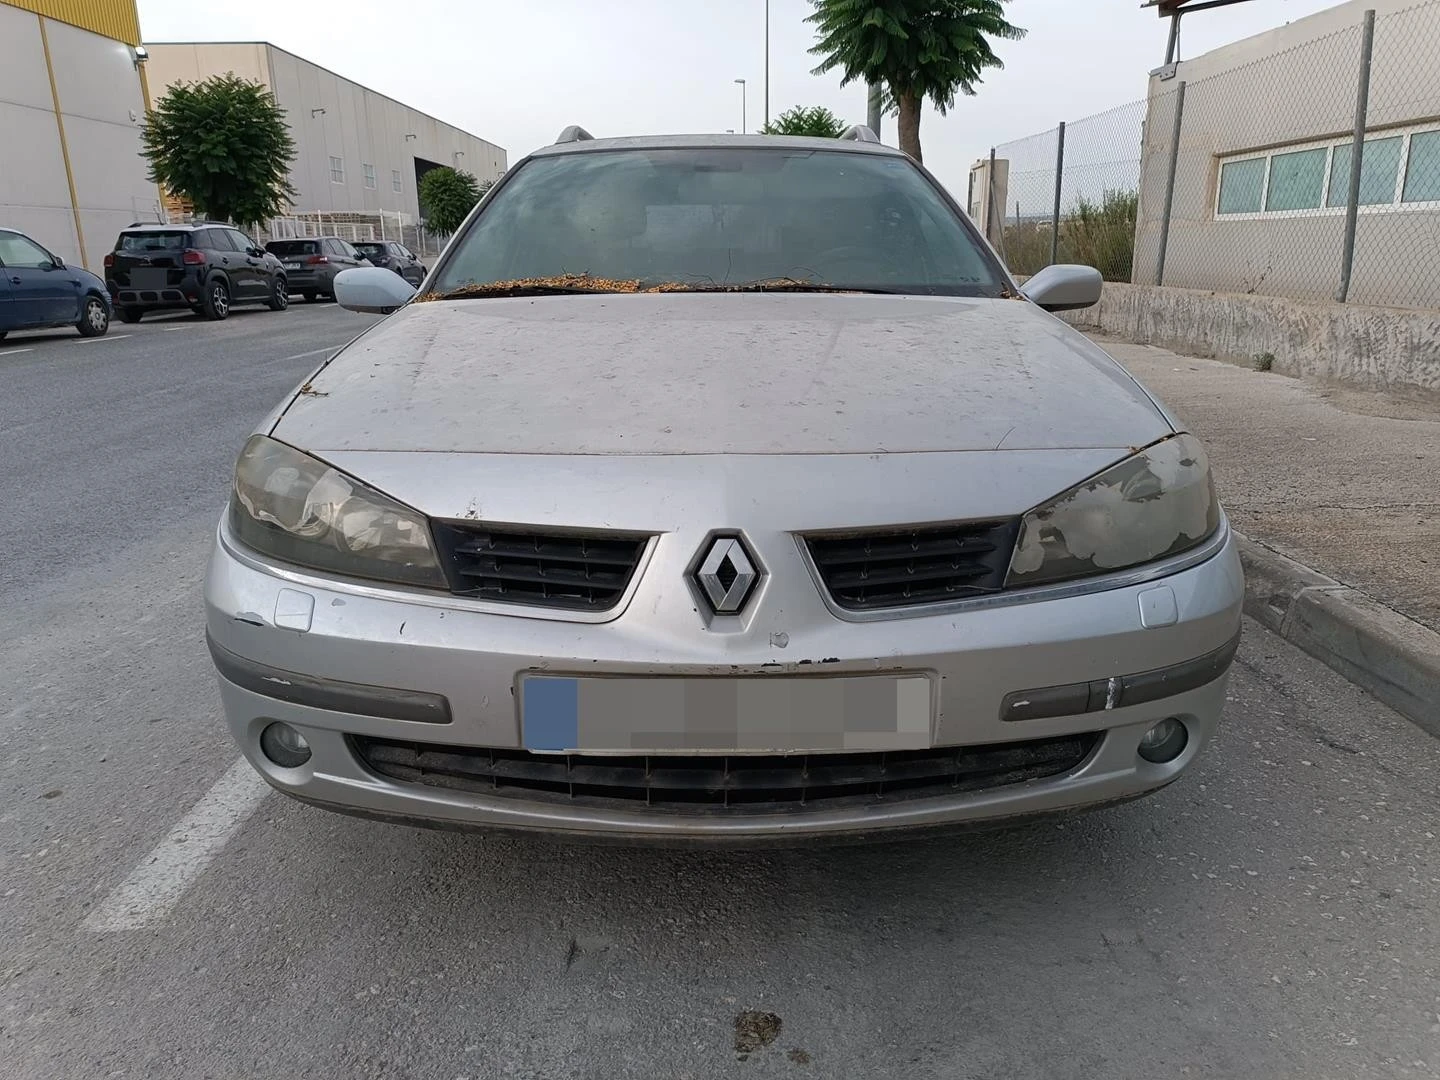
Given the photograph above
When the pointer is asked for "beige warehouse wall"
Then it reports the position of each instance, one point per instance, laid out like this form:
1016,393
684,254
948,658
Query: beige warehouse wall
101,108
1290,85
192,63
330,115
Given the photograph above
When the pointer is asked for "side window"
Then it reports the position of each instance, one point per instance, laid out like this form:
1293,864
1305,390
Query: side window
332,247
216,239
240,240
16,250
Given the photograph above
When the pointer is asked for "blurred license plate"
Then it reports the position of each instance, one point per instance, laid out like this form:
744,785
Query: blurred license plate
292,266
757,715
151,278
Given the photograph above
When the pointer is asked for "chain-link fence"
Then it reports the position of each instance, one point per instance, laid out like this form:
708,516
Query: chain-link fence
1245,178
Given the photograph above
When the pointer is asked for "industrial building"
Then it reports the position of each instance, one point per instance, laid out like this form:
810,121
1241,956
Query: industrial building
360,154
72,104
1262,166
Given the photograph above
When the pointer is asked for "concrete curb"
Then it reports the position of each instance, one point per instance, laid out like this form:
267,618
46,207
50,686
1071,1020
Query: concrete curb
1393,657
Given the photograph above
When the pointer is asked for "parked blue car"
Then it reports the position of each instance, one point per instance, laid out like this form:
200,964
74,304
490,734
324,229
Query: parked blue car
38,291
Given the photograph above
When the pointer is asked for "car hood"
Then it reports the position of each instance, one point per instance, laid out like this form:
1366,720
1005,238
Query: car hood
720,373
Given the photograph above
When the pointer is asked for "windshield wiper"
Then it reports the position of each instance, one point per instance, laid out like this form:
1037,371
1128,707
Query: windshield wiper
773,285
579,284
560,285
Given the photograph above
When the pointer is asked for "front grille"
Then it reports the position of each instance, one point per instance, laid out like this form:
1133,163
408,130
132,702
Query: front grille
736,783
907,567
575,571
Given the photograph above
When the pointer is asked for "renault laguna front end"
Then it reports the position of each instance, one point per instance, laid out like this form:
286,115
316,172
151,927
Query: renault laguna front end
721,488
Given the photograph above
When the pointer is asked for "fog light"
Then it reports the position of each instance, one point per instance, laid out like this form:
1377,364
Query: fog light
285,746
1164,742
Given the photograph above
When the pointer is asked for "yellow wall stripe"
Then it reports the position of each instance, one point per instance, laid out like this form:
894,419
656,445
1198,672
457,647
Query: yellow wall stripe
118,19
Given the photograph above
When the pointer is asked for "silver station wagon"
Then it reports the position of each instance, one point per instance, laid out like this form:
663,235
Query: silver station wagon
721,489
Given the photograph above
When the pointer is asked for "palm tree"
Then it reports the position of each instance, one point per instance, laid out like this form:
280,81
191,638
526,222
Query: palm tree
914,49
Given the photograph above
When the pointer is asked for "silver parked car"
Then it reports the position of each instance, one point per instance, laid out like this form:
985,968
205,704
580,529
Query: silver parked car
721,488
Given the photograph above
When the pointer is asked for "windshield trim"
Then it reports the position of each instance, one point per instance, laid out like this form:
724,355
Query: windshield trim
1006,286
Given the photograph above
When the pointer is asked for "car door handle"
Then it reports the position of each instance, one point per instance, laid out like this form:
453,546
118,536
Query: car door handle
16,280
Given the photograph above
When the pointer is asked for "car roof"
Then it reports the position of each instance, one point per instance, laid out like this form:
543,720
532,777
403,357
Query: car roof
713,142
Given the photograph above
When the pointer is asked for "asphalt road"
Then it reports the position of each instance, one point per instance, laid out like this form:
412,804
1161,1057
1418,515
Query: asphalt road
1270,916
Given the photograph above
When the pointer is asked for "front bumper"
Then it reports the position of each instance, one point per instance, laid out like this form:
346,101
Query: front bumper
351,639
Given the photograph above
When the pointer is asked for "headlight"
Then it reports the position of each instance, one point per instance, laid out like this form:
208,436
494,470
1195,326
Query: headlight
1158,503
300,510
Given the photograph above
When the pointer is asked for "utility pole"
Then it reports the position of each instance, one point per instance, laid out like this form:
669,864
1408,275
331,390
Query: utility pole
873,117
767,63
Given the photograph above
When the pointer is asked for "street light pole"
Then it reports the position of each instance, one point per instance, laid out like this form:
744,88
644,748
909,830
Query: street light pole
743,128
767,63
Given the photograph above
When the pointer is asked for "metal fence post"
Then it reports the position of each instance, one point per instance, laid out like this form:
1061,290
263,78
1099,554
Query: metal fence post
1357,154
993,213
1170,183
1055,214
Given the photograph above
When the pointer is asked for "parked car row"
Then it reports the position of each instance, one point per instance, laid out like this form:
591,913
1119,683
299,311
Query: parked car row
208,267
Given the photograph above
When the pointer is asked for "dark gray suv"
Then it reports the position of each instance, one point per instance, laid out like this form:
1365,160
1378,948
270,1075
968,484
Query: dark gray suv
311,264
394,256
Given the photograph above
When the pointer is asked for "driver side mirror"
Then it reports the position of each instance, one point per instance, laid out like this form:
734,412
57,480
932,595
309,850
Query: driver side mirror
57,262
1064,287
371,289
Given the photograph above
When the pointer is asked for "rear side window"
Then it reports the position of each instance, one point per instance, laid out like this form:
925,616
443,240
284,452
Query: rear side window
215,240
293,247
153,240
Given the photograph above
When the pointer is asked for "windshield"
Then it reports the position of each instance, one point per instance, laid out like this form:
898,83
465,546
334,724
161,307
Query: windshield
152,240
722,217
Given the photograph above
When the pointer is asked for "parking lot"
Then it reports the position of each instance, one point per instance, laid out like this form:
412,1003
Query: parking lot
163,916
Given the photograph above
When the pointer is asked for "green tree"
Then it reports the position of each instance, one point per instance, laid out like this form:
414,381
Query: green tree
816,121
446,196
223,144
914,49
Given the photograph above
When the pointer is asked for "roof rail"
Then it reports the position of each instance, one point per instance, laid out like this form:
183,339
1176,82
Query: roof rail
859,133
573,133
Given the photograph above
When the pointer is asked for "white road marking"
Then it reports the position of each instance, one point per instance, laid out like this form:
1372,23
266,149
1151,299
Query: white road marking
312,352
107,337
155,886
175,329
15,352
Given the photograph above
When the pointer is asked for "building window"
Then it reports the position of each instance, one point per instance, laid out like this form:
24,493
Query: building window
1242,184
337,171
395,182
1400,167
1379,167
1297,180
369,175
1422,178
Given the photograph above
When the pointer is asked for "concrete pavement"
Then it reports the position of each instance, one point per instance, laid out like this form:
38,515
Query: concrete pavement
1271,916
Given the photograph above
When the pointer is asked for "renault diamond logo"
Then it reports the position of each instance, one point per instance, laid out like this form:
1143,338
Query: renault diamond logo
727,576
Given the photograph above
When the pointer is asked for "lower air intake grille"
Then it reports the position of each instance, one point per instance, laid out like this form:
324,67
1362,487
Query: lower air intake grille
894,568
575,571
734,784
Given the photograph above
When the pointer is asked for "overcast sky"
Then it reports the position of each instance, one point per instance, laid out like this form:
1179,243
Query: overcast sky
517,71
